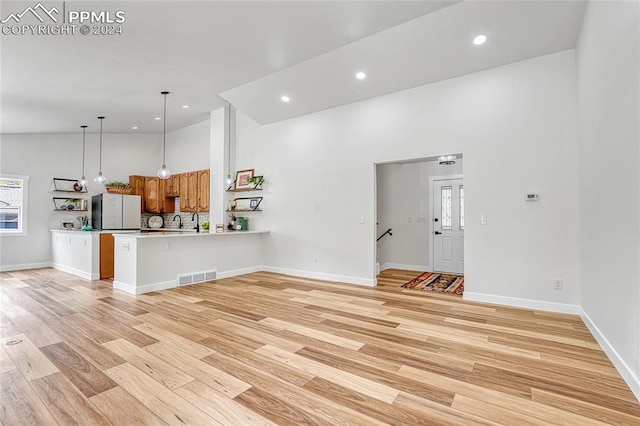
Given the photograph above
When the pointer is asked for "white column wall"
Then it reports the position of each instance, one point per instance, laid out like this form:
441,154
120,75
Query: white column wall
217,149
609,163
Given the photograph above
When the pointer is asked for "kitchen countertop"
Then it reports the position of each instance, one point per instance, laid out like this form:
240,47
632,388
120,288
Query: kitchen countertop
178,233
93,231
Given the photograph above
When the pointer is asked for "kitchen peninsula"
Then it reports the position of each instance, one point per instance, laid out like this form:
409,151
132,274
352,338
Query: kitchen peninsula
146,262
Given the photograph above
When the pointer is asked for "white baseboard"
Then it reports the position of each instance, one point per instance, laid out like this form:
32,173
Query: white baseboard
241,271
540,305
132,289
321,276
421,268
76,272
147,288
23,266
623,368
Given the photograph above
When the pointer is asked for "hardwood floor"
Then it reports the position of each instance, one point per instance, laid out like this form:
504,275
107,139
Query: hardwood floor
272,349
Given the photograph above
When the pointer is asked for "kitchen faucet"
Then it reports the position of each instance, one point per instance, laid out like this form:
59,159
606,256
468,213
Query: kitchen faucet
197,217
179,217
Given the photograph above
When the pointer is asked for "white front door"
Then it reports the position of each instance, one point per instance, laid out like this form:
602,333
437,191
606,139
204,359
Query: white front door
448,226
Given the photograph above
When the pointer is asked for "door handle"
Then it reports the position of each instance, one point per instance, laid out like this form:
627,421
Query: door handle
437,232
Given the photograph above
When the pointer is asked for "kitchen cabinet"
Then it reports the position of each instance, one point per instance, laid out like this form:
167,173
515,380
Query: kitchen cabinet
76,252
203,190
172,186
156,200
188,191
194,191
106,256
137,188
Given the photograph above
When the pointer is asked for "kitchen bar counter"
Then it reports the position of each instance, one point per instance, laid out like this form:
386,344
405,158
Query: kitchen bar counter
171,233
152,261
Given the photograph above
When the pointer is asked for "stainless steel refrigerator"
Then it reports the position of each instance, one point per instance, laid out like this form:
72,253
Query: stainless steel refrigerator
115,211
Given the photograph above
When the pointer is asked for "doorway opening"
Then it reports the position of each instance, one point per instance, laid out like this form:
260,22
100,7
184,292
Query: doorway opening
422,202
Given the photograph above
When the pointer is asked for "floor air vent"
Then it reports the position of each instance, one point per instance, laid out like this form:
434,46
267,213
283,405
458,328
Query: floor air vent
196,277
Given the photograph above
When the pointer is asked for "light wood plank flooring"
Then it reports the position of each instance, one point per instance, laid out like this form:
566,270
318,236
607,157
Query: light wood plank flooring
272,349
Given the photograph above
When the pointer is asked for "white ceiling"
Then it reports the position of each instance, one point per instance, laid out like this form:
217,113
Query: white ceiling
253,52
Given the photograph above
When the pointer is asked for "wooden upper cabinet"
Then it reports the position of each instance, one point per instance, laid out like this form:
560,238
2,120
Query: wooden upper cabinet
159,195
172,186
203,190
167,204
152,194
194,191
183,178
137,184
156,200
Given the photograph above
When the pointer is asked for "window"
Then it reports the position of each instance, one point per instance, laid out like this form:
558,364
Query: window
461,207
13,205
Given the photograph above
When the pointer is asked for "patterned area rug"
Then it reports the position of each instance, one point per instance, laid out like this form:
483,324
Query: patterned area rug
437,282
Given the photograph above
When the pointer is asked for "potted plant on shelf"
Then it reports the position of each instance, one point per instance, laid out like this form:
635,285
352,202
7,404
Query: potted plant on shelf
117,187
256,182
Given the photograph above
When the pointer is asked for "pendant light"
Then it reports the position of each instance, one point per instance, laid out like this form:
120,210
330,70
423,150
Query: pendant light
163,172
83,181
100,177
229,180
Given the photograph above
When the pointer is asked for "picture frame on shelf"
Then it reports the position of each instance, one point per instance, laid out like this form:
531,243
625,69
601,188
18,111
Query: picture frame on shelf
247,204
242,178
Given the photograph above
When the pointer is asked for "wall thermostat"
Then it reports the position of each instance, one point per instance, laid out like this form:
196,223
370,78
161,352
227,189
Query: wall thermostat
532,197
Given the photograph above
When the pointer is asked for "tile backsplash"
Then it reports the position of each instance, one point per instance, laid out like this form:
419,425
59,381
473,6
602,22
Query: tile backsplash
188,220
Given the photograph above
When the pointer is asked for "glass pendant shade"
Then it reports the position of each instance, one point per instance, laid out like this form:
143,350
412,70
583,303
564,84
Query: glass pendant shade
229,180
83,182
163,172
100,178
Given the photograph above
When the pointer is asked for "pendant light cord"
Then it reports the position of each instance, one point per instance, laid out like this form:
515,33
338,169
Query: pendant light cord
101,118
164,131
229,142
84,133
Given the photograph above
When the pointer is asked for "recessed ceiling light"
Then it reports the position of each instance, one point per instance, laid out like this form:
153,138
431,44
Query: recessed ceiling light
158,118
360,75
285,98
480,39
186,106
134,127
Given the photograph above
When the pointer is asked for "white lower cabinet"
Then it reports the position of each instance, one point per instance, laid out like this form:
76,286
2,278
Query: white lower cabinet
77,252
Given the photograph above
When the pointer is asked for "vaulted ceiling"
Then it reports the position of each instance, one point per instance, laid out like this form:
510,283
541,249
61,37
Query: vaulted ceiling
252,53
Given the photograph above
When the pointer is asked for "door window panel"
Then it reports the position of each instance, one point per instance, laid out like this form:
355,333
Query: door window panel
445,199
461,207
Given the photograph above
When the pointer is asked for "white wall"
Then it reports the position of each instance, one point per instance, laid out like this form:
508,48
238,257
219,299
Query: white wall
43,157
515,126
188,148
403,193
609,164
